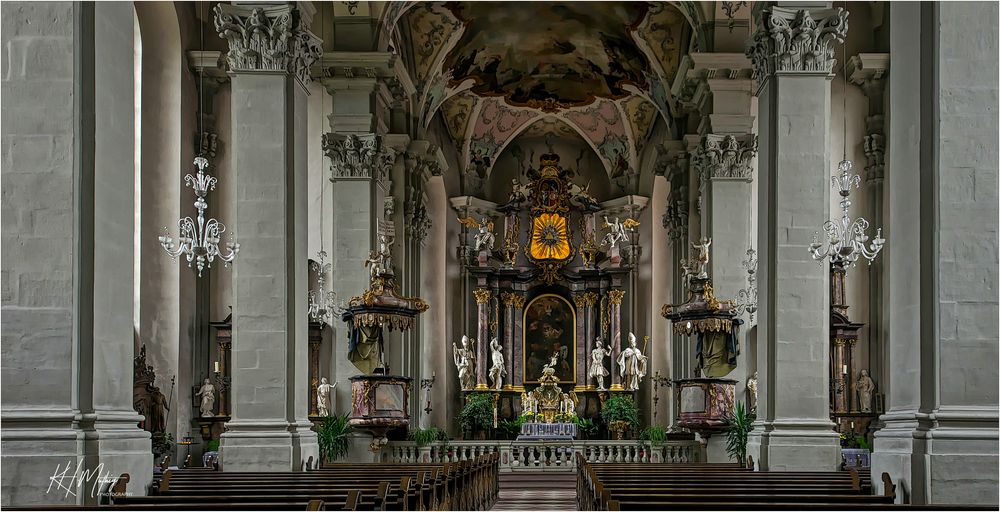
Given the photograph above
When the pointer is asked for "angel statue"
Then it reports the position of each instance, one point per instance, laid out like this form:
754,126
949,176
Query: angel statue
374,264
465,361
485,238
597,370
498,371
518,192
617,231
632,365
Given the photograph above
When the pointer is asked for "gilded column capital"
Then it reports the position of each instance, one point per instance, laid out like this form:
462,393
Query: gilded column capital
590,298
795,40
483,295
354,157
511,299
267,38
615,297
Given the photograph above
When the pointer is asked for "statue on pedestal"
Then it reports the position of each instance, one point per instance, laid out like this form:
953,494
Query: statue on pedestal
498,371
701,269
865,386
597,370
207,394
752,392
323,391
465,362
615,234
632,365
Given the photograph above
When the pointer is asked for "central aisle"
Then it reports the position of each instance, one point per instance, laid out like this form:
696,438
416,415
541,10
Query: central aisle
537,491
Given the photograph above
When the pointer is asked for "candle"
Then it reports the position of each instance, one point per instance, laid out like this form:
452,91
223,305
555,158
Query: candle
845,369
217,367
434,375
852,425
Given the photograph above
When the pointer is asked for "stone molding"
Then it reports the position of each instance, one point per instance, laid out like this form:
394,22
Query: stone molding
796,40
675,220
267,39
725,157
358,157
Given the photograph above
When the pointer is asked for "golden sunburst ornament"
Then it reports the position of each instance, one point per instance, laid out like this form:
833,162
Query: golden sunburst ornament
549,237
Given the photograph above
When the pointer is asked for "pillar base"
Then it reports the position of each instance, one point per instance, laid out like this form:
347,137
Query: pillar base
808,445
38,445
949,461
267,446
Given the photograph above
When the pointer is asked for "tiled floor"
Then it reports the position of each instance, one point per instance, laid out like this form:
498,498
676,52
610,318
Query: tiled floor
537,491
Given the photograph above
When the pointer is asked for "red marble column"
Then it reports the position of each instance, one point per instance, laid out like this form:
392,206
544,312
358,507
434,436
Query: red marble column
483,296
615,328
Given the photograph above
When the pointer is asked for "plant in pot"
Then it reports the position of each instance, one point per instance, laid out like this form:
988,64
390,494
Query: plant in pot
334,437
477,414
654,435
510,429
426,436
586,428
620,414
737,427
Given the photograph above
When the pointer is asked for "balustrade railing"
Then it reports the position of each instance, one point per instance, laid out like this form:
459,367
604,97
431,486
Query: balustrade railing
544,455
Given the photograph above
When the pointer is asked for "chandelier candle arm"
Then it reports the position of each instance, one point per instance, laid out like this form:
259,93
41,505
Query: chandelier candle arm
845,242
199,241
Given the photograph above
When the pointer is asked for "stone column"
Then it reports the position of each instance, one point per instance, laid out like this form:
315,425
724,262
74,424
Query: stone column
939,443
868,71
508,298
582,354
315,341
483,296
68,210
437,358
518,352
269,429
794,65
615,325
225,380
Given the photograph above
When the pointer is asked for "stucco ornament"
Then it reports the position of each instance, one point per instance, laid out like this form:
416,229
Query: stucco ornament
796,40
267,39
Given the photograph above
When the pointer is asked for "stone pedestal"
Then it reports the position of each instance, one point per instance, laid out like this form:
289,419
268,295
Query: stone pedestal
793,430
269,430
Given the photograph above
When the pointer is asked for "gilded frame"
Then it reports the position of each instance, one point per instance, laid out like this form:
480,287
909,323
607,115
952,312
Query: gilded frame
570,336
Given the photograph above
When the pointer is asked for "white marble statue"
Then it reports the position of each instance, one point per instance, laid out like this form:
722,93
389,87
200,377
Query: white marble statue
597,371
323,403
752,391
485,238
865,387
465,362
567,406
527,403
498,371
552,363
701,271
632,365
616,233
207,394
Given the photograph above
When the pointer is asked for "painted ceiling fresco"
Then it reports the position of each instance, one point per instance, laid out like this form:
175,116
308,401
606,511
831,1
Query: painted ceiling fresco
498,70
568,53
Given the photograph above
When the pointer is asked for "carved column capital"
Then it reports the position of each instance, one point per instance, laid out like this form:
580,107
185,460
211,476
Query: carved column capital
267,39
358,156
867,71
795,40
512,300
615,297
725,157
483,295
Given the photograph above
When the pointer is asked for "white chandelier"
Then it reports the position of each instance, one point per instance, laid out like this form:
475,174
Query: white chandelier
746,299
199,241
322,303
846,241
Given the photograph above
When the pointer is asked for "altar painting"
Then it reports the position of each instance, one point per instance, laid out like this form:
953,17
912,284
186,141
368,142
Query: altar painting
549,330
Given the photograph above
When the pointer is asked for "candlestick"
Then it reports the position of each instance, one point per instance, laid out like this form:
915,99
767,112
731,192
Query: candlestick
217,367
845,369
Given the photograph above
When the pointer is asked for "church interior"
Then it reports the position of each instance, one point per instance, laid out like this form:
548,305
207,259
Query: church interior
388,255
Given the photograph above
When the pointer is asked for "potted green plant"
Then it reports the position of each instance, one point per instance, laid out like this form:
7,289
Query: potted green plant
477,414
510,429
620,414
585,427
737,427
654,434
334,437
426,436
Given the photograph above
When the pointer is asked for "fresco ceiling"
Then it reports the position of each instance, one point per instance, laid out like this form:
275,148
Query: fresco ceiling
495,70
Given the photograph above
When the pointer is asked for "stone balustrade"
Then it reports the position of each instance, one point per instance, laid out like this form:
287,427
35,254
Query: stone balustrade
544,455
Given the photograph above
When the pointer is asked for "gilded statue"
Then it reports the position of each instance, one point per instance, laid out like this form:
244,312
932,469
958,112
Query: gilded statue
465,361
632,365
597,371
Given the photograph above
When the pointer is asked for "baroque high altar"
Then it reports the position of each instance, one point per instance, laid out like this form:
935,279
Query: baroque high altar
546,287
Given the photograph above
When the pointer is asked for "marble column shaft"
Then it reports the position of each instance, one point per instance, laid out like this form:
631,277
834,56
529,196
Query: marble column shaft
615,325
483,297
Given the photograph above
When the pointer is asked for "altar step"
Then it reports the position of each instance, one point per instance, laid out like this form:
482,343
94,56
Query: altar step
537,491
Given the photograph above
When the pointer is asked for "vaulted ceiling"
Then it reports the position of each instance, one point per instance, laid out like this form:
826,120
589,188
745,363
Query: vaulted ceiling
497,70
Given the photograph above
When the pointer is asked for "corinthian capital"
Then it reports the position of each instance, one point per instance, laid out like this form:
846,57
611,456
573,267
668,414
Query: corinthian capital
271,38
358,156
726,157
796,40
